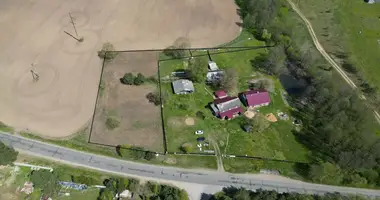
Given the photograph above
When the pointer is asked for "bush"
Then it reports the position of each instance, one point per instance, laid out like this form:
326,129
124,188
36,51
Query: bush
7,154
154,98
200,115
183,106
149,156
139,79
112,123
186,148
87,180
45,180
107,51
128,79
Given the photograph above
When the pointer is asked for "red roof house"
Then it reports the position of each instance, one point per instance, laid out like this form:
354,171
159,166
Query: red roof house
220,94
227,107
256,98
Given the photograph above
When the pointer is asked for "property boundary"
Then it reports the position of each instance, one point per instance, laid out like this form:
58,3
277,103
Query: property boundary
165,152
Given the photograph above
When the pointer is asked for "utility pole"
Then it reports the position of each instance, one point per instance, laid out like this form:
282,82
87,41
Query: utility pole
72,21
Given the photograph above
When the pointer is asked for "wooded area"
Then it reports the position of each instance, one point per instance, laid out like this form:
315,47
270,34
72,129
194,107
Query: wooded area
243,194
337,126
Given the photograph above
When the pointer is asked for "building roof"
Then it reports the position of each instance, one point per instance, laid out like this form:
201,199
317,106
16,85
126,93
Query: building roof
220,94
230,113
227,103
214,75
257,97
212,66
182,85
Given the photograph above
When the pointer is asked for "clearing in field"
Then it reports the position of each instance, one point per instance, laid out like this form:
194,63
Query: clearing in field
63,98
123,114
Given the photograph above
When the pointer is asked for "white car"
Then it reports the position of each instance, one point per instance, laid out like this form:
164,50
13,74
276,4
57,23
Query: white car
199,132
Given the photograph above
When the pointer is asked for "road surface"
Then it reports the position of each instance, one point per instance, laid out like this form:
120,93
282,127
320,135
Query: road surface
327,56
210,178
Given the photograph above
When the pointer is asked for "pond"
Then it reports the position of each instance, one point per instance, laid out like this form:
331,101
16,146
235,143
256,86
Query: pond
292,85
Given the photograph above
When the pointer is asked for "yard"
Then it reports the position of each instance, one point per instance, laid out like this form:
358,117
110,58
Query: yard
136,121
277,141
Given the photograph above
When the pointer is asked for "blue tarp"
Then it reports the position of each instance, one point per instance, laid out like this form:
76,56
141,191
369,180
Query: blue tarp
72,185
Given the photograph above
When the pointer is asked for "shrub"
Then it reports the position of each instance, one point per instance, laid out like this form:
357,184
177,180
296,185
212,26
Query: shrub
107,51
128,79
200,115
152,79
7,154
186,148
87,180
112,123
154,98
139,79
183,106
149,156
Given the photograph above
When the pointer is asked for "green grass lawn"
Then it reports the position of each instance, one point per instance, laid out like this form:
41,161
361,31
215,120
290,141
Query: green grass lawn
352,27
276,142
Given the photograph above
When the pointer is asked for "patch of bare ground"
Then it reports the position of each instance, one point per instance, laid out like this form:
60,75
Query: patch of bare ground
140,120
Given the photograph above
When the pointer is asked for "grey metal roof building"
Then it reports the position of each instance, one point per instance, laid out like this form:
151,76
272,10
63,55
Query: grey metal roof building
183,86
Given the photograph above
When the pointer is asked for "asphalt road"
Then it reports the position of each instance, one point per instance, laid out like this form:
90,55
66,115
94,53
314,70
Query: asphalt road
211,178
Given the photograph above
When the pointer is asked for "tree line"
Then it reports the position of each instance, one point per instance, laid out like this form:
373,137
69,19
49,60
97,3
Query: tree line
337,126
232,193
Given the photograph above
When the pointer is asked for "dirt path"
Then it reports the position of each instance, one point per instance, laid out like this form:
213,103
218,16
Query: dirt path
218,154
327,56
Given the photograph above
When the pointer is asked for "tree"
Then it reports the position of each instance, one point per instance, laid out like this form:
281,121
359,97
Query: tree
153,187
272,62
258,123
154,97
197,69
134,184
107,52
326,173
128,79
229,80
139,79
149,155
45,180
7,154
178,49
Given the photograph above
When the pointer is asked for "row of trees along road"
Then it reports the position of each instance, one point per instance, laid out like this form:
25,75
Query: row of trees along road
243,194
337,126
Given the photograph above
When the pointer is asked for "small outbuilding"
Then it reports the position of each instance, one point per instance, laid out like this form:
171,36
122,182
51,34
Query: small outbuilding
220,94
212,66
183,86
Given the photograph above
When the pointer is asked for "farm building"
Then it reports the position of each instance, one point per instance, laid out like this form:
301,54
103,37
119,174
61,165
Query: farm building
227,107
256,98
212,66
220,94
213,76
214,73
183,86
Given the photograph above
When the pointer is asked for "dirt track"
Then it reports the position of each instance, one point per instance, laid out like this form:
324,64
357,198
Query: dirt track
63,99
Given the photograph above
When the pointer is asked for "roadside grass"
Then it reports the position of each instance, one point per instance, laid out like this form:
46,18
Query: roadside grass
243,165
6,128
79,142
